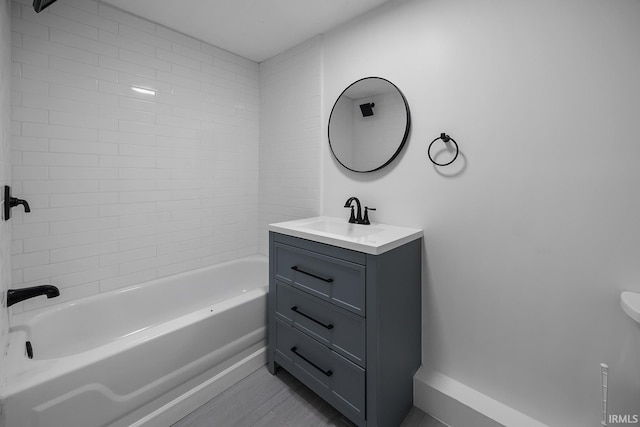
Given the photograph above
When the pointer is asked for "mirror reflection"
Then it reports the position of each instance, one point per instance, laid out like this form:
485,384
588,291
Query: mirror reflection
369,124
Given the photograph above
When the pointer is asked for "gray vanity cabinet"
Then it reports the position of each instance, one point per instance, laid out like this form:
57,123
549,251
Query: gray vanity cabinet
347,324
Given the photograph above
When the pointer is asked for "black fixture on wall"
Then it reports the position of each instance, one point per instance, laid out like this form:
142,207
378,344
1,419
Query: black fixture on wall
367,109
15,296
10,202
39,5
446,139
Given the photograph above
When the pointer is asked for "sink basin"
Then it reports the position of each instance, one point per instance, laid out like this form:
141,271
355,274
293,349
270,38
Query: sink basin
342,228
630,302
372,239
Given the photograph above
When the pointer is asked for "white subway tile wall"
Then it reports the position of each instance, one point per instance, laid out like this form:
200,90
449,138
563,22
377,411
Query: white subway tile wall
136,147
290,136
5,178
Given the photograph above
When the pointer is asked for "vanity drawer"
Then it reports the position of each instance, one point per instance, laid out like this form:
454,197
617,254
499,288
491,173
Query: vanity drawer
334,378
332,279
341,330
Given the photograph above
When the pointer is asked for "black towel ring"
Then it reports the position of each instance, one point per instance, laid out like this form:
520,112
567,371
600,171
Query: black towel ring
445,138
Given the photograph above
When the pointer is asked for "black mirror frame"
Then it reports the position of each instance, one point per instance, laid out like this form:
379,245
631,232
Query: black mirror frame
404,137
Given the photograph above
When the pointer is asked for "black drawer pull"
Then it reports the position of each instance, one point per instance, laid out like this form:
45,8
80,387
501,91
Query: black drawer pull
324,279
295,351
295,308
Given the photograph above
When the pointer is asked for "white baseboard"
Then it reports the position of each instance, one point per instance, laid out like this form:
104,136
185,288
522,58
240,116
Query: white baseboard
457,405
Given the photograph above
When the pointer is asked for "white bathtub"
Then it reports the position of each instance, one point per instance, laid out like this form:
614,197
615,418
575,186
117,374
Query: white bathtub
145,355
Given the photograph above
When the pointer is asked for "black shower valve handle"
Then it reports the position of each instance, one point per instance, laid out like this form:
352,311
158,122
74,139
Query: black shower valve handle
11,202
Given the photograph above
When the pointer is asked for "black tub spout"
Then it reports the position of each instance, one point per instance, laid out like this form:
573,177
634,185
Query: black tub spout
16,295
15,202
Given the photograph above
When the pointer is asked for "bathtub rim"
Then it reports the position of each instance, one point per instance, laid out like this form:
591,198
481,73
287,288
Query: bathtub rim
22,319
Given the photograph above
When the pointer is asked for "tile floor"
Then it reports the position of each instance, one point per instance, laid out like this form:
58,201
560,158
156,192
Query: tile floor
265,400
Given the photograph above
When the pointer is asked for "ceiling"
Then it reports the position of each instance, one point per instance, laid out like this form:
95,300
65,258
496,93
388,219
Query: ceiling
254,29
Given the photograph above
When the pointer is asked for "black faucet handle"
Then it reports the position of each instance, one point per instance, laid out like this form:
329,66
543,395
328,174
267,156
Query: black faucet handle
365,221
352,218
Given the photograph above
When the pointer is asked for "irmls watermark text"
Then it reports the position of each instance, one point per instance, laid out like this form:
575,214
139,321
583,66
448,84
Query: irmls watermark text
624,419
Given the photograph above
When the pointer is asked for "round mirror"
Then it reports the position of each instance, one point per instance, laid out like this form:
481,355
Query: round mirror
369,124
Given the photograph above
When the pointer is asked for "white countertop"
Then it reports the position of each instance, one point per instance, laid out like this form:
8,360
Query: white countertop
372,239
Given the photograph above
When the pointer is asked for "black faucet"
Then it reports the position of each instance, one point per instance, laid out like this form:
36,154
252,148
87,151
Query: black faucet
357,218
17,295
354,219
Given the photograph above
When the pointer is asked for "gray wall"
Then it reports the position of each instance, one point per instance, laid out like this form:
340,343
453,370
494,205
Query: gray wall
290,135
528,248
